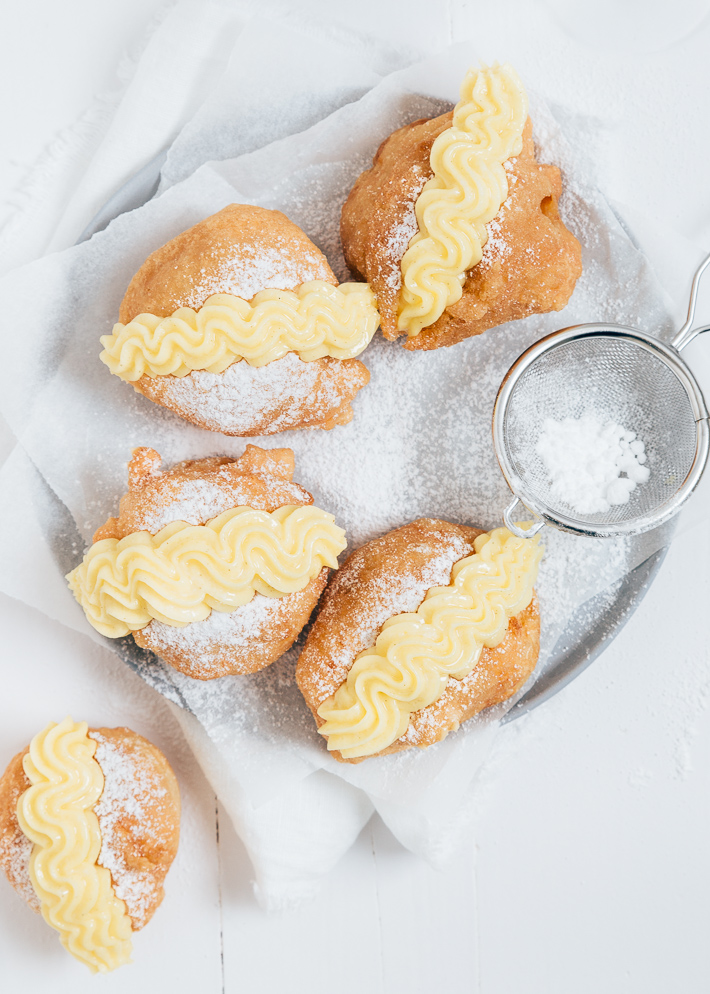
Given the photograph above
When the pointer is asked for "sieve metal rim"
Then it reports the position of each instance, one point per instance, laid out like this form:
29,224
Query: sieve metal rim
653,345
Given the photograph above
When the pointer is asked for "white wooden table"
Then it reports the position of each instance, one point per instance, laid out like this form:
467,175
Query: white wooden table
589,869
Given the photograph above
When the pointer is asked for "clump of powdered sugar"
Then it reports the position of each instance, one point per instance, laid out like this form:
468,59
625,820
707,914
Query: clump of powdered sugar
130,790
585,459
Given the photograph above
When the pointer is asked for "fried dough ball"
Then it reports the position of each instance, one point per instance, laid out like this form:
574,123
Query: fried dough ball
530,262
242,250
139,819
256,634
391,575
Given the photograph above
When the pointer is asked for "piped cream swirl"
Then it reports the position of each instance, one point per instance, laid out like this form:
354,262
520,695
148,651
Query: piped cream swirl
185,571
56,814
415,654
316,320
466,191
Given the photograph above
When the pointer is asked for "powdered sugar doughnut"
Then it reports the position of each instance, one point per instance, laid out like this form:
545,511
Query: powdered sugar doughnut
139,819
530,262
391,575
251,636
241,251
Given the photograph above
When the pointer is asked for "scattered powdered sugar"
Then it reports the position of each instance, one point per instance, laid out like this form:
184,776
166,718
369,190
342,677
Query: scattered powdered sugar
386,595
244,276
199,500
221,633
242,398
586,457
402,233
15,852
130,789
497,244
574,570
419,444
399,238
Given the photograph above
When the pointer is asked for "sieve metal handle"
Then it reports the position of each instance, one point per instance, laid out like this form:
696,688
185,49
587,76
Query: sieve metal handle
687,333
515,528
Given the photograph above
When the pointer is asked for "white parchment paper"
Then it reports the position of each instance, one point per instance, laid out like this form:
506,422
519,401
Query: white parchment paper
419,445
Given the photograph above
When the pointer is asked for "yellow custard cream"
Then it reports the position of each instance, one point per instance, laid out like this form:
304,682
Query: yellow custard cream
315,320
415,654
467,190
56,814
185,571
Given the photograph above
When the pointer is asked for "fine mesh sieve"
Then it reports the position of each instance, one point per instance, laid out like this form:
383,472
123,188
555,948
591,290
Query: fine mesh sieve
622,375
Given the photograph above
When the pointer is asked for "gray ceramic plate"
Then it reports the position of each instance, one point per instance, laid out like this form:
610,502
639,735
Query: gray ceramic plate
593,626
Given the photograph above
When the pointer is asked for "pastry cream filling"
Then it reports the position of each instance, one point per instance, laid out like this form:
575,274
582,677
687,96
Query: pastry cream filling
315,320
466,191
56,813
415,654
185,571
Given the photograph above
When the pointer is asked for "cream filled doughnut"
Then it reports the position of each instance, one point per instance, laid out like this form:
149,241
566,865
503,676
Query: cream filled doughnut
239,326
215,564
420,630
89,826
456,225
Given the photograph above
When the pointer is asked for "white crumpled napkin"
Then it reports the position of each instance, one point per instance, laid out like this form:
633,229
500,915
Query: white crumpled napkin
419,444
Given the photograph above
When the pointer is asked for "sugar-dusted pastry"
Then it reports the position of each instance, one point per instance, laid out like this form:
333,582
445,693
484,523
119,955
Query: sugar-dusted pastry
239,326
89,826
456,225
418,631
215,565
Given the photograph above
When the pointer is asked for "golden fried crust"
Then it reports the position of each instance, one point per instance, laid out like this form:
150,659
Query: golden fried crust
140,828
243,641
501,672
258,633
242,250
530,263
220,255
244,400
260,478
389,576
15,847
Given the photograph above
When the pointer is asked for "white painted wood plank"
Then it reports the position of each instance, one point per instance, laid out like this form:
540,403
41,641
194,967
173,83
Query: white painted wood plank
49,672
594,865
380,925
428,920
331,944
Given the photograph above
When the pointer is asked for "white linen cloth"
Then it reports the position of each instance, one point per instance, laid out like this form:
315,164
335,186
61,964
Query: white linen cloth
295,808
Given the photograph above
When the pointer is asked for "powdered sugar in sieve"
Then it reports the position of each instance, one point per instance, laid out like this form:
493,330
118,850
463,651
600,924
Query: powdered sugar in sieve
632,379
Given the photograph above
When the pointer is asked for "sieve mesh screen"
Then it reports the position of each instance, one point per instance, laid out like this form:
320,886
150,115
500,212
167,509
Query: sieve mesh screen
613,379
